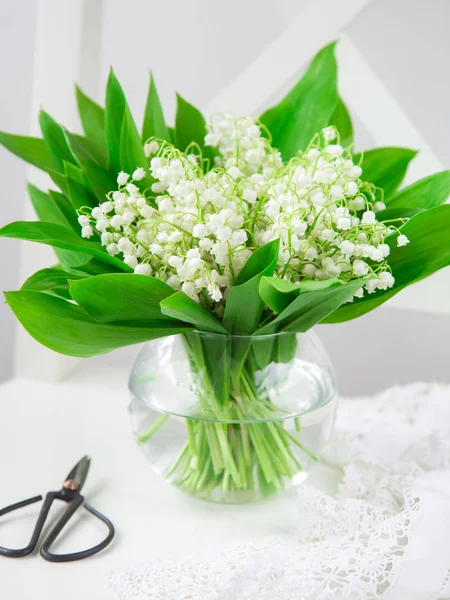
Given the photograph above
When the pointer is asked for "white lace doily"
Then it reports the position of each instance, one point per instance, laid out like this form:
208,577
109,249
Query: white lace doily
386,534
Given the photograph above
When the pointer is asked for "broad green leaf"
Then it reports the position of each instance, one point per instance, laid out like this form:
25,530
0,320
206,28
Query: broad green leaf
286,346
132,151
154,124
210,359
97,152
385,167
342,121
120,297
66,209
76,174
59,180
32,150
262,349
55,141
427,252
244,305
45,208
179,306
98,178
78,188
397,212
95,267
92,118
310,308
278,348
115,105
429,247
70,260
59,237
53,281
68,329
190,125
307,108
51,209
279,293
73,172
426,193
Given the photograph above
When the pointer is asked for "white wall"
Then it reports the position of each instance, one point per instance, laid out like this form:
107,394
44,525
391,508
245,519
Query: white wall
199,47
17,28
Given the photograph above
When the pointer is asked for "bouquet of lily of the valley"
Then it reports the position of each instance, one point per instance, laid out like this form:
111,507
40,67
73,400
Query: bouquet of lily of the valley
234,226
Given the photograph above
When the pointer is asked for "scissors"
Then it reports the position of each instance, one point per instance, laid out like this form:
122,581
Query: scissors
69,493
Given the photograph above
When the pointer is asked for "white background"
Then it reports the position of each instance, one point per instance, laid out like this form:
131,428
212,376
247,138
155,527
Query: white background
201,47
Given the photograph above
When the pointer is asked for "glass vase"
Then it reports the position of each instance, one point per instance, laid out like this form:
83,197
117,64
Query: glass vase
233,418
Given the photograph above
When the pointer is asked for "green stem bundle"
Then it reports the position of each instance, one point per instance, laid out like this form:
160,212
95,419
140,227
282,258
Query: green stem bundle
240,443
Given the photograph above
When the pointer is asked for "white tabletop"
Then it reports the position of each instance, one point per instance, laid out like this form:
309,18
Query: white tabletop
44,430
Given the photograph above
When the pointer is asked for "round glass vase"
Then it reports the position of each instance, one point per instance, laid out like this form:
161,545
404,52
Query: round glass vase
233,418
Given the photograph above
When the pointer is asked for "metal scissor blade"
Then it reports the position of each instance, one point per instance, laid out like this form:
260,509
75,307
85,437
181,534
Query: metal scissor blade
79,473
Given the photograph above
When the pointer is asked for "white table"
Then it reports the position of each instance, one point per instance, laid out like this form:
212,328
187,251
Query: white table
44,430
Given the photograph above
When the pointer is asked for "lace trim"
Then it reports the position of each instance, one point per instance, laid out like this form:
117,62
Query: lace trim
357,546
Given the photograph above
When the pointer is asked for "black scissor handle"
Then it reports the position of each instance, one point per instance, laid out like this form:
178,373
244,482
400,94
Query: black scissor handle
50,539
20,552
73,506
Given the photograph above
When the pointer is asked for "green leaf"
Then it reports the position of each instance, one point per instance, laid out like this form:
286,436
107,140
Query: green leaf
179,306
58,179
427,252
44,206
96,151
53,280
55,141
210,359
311,307
385,167
78,188
398,212
132,151
51,208
279,293
76,174
98,178
68,329
426,193
286,347
124,298
154,124
307,108
342,121
63,204
70,260
216,352
92,118
115,106
244,305
30,149
190,125
95,267
59,237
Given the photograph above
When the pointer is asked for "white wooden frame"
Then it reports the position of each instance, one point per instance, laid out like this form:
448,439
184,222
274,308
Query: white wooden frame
67,50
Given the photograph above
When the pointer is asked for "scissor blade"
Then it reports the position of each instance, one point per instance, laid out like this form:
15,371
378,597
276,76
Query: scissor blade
80,471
